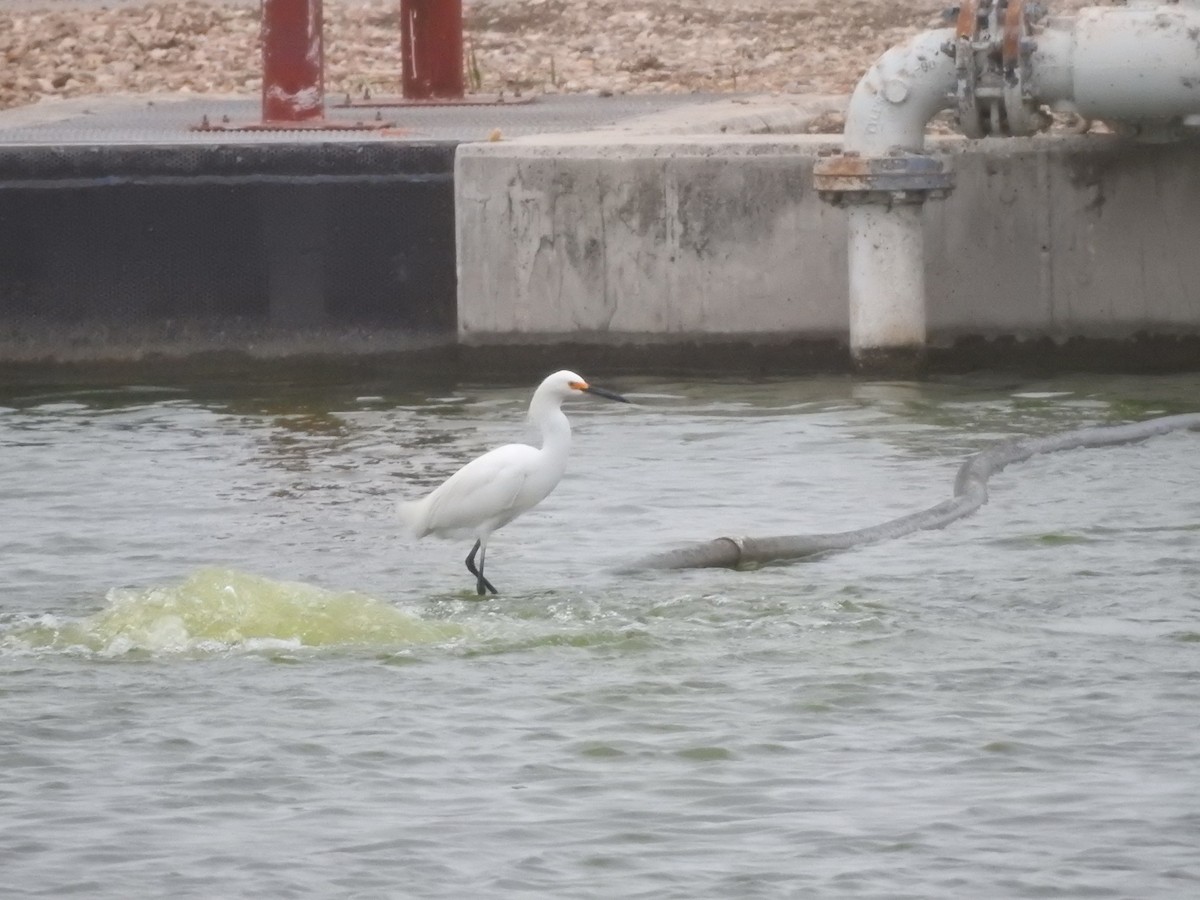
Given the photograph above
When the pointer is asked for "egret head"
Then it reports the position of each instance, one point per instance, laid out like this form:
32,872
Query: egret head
567,383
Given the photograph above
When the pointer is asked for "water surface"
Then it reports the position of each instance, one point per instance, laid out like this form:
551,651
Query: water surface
224,673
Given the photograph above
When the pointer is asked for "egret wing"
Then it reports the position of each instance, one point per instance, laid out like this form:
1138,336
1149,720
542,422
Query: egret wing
483,494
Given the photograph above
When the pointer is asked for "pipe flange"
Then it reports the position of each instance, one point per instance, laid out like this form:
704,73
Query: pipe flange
899,178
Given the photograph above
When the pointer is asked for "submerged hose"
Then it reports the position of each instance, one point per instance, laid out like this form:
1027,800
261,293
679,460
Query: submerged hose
970,493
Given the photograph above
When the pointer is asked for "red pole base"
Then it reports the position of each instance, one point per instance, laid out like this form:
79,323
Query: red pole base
293,61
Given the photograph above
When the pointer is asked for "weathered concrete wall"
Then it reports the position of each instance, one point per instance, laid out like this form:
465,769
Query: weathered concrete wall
667,236
609,237
1091,236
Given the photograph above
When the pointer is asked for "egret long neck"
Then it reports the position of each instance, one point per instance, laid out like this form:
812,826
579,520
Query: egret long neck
547,414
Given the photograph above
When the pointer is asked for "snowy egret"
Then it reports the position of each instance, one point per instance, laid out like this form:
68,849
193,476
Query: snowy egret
492,490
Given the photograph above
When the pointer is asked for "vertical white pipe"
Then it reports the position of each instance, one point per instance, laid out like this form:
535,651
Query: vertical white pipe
887,282
888,112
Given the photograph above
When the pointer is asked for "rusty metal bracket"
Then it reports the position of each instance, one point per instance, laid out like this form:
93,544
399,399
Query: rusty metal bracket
900,178
993,47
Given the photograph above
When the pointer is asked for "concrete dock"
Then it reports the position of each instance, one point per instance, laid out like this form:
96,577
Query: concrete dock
650,232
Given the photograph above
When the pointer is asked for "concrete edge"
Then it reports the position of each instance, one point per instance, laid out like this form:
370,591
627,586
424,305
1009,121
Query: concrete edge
49,111
748,120
401,356
749,114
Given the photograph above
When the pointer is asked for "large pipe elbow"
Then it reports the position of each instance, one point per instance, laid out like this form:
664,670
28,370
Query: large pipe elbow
899,94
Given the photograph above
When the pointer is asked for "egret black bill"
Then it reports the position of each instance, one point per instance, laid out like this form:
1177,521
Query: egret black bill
599,392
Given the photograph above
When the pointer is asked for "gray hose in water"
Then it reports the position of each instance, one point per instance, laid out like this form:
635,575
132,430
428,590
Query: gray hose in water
970,493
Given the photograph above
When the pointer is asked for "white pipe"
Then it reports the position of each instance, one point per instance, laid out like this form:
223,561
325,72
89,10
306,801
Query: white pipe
887,283
888,112
1132,64
895,100
1137,63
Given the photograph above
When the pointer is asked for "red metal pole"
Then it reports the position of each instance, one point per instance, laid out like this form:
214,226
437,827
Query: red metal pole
293,61
431,49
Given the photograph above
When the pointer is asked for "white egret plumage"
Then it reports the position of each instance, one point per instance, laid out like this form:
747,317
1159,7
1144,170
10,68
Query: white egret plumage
492,490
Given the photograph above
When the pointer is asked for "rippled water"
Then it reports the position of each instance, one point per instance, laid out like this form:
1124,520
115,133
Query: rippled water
222,672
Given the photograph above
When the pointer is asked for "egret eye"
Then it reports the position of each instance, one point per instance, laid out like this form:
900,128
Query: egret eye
577,385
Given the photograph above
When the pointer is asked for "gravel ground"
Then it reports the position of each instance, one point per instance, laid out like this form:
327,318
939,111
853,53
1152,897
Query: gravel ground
65,48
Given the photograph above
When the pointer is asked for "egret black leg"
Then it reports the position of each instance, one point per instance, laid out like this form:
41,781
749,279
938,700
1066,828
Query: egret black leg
482,585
